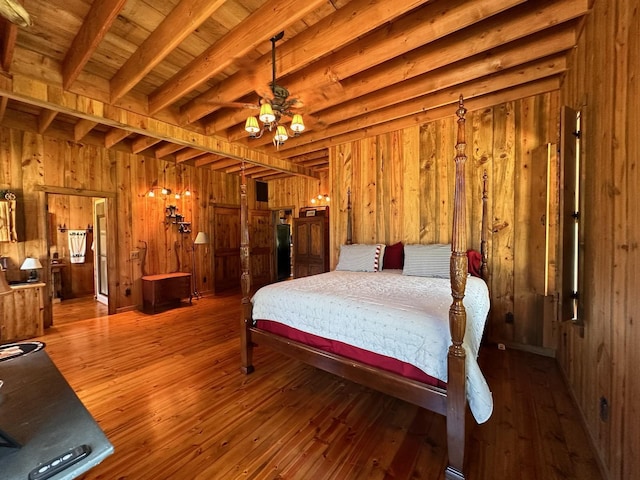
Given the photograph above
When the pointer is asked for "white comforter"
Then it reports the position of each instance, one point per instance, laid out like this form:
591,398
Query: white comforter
403,317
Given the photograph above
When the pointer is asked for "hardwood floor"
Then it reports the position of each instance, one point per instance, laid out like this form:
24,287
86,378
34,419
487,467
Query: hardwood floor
76,309
167,391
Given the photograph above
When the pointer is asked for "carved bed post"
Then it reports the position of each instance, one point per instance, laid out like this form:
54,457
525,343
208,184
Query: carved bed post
349,227
456,383
484,269
246,347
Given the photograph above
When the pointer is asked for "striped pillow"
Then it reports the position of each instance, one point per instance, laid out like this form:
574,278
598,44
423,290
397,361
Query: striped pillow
360,258
427,260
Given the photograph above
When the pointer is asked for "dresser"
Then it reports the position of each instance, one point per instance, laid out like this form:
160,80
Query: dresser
166,290
22,312
311,242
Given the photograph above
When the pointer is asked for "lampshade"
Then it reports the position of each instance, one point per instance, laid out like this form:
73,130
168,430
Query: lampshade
297,125
251,126
266,113
31,263
281,134
201,238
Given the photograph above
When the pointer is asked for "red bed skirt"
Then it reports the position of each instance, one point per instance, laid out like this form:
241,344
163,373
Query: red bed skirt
349,351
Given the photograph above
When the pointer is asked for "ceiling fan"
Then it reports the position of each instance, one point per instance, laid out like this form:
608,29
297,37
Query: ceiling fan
15,13
273,108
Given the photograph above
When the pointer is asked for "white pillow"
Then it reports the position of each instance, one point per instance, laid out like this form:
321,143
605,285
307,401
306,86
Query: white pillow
427,260
360,258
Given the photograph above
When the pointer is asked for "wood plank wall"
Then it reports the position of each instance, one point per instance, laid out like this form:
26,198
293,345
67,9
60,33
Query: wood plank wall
600,362
402,190
29,161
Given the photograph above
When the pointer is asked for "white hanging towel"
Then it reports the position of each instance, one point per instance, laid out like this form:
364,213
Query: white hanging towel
77,245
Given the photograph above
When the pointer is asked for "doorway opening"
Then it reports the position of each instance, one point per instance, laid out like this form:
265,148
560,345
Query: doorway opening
77,244
283,220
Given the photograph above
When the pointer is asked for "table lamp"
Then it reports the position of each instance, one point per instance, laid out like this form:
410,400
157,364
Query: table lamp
33,265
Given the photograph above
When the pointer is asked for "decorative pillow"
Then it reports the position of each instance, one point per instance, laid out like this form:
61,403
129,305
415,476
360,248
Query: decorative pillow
427,260
393,257
360,258
475,262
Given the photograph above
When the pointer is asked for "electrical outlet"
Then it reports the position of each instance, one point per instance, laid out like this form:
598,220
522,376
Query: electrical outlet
134,255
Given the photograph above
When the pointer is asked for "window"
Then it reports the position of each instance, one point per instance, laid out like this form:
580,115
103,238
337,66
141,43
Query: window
570,150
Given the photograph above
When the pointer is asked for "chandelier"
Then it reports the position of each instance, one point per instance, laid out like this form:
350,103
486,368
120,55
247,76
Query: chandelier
273,109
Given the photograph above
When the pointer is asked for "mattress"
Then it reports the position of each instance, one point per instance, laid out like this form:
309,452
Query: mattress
399,316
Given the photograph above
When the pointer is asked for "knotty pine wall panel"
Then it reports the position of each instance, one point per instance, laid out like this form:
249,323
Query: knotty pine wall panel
30,162
402,187
600,359
297,192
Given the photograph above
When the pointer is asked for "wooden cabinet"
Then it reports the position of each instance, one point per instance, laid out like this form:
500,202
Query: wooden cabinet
165,290
311,243
22,312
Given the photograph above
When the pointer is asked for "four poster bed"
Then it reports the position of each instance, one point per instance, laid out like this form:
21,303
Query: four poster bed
375,306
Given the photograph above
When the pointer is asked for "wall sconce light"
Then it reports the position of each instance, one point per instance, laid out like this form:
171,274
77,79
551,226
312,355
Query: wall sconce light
167,191
320,198
163,191
33,265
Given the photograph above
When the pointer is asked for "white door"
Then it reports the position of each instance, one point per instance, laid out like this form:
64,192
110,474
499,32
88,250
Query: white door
100,250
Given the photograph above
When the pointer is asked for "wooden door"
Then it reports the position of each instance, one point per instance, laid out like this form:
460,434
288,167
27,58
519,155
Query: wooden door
226,248
261,240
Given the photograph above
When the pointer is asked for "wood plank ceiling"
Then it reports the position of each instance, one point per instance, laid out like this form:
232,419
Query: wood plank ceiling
175,79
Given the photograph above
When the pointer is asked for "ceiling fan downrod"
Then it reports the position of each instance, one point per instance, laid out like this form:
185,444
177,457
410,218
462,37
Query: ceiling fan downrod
274,39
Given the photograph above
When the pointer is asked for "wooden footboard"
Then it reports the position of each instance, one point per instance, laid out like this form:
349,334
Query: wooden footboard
453,401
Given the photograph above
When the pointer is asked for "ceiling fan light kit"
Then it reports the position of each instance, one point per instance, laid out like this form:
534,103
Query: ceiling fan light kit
273,109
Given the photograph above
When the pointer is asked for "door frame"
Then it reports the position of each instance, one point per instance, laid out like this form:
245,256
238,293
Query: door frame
112,228
100,297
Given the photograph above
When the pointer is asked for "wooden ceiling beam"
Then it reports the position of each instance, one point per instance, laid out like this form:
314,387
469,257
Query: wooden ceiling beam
207,159
142,143
431,115
41,94
544,52
44,120
188,154
265,22
82,128
308,157
186,17
297,54
222,164
530,73
93,29
168,149
115,135
322,81
9,36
